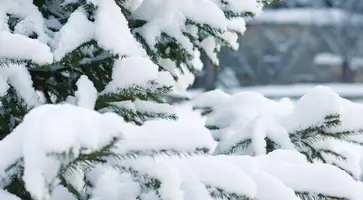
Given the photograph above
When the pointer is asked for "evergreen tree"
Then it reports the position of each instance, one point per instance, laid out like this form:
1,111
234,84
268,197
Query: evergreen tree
80,81
68,39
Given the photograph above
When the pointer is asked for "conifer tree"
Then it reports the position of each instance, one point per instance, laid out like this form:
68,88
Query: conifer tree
80,81
68,39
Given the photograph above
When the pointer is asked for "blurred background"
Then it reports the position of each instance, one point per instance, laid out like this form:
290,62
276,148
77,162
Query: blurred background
292,46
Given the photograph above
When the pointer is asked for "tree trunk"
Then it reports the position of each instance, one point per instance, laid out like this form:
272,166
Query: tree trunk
347,72
210,76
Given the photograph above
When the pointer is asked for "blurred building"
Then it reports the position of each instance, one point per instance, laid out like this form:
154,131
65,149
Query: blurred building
299,41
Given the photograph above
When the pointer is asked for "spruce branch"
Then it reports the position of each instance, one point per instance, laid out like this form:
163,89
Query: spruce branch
334,154
84,162
343,169
151,91
217,193
6,62
133,154
212,127
12,21
146,182
137,117
310,196
15,184
238,148
205,111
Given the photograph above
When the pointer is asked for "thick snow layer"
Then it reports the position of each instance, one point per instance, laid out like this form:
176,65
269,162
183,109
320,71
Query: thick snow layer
126,73
16,46
86,93
307,112
347,90
74,33
152,107
112,31
169,16
55,129
248,118
63,128
18,76
111,184
166,135
7,196
208,45
211,98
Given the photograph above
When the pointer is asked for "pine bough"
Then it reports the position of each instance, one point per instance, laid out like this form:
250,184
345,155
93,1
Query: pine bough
322,126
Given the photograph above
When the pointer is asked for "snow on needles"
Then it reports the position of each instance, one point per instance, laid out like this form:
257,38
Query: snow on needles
241,122
74,33
111,31
86,93
51,129
16,46
133,71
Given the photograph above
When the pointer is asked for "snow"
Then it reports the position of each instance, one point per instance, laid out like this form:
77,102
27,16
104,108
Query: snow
169,16
258,135
73,34
61,193
211,98
63,128
78,128
307,112
226,178
307,16
3,21
333,60
208,44
16,46
152,107
182,155
237,24
7,196
86,93
237,6
327,59
273,188
165,79
316,177
346,90
110,184
19,77
32,23
112,31
245,119
126,73
151,138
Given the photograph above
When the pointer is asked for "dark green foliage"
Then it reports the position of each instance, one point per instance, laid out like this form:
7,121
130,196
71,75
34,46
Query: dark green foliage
16,185
12,112
57,81
218,193
305,140
309,196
